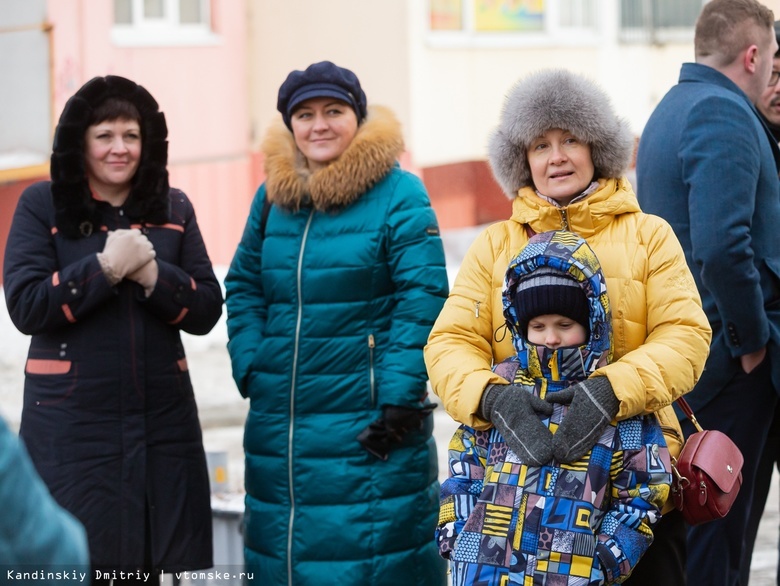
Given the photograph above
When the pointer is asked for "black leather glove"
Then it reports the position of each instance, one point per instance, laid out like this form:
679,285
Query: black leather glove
387,432
514,411
593,406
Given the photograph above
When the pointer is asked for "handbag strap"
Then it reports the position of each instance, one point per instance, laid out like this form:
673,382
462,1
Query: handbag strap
689,412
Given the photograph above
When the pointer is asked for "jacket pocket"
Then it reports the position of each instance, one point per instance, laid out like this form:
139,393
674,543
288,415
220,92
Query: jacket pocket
48,381
670,427
45,366
181,376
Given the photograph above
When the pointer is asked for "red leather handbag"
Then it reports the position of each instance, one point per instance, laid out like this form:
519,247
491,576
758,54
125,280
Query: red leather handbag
707,475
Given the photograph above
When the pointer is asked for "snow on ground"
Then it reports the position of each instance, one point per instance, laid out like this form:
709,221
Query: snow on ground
218,400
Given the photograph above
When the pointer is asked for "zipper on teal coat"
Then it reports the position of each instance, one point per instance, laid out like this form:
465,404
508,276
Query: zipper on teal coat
290,432
371,379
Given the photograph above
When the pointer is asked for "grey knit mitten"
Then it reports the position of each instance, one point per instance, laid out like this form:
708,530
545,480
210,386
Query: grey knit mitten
593,406
514,411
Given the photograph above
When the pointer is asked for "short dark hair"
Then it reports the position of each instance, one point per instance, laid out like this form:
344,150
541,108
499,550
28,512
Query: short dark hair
114,108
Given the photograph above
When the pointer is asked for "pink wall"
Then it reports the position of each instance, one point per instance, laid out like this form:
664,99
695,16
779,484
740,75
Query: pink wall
9,196
201,89
204,93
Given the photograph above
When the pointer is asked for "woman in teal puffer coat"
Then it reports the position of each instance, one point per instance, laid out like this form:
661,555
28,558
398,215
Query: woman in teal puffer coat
331,295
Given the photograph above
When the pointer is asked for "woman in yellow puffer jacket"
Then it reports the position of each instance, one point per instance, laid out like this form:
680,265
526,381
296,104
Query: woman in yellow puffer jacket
560,154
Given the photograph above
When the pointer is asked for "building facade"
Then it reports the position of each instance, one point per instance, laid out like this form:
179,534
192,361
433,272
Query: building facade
215,66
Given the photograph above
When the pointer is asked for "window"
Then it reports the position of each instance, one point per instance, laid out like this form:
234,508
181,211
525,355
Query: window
445,15
658,21
162,22
512,22
26,94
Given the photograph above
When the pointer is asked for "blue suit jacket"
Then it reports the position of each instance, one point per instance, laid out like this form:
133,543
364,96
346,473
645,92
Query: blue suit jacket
709,166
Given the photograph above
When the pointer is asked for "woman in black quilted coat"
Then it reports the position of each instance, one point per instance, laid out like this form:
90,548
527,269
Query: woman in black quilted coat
104,266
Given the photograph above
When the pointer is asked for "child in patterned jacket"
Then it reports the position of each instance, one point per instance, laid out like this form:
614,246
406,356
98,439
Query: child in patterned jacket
507,520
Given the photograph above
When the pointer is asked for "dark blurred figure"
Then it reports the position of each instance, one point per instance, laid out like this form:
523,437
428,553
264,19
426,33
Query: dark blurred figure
708,164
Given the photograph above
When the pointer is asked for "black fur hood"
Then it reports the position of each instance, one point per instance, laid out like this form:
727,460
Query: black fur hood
76,211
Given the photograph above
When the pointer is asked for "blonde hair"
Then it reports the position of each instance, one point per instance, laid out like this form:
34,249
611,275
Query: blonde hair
726,27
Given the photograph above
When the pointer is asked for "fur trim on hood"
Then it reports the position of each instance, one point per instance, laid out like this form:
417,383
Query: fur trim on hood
368,158
76,211
557,99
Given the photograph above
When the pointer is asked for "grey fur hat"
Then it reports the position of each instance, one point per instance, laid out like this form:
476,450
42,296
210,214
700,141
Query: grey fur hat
557,98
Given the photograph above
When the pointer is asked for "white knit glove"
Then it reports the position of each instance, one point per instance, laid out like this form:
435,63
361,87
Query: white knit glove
125,251
146,276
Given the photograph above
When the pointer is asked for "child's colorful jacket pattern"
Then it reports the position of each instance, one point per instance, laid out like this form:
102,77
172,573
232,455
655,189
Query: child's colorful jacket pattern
504,522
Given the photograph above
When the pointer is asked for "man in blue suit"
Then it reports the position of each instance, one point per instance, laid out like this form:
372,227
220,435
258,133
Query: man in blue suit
768,106
709,166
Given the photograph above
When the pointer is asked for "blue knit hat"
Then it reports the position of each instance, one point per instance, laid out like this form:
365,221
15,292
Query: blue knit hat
321,80
547,291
